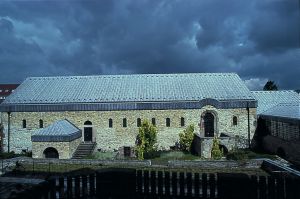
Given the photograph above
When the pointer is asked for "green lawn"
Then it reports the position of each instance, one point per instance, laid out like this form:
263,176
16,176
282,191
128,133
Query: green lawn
173,155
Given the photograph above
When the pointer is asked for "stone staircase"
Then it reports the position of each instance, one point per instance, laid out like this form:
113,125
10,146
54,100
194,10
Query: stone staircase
84,149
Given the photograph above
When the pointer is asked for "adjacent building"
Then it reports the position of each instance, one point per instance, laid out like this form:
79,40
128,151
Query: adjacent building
279,122
107,111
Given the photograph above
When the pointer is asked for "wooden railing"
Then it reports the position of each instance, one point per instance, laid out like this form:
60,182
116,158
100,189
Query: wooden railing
131,183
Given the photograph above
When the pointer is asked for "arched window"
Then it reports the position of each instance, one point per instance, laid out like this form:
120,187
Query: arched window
182,122
168,122
41,124
153,121
87,122
234,120
124,122
24,124
110,123
138,122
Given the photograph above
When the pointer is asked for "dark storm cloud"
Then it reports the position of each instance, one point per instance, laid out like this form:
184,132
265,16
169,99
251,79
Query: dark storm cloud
257,39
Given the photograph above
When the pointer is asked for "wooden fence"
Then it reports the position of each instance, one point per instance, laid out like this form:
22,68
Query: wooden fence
131,183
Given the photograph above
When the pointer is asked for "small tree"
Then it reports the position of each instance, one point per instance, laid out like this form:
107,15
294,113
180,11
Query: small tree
270,86
216,153
146,139
186,138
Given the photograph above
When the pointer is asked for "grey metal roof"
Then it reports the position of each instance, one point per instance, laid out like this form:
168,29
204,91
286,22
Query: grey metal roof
269,99
59,131
290,110
130,88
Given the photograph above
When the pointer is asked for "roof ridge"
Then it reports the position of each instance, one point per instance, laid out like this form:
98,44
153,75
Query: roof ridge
128,75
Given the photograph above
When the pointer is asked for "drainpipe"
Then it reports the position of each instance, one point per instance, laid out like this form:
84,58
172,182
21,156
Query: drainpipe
8,132
248,113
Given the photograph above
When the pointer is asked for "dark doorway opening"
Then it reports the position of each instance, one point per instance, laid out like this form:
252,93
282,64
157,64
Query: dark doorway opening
281,152
127,151
223,149
209,127
88,132
51,152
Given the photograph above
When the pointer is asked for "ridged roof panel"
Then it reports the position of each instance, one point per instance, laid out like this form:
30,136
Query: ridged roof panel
269,99
59,131
130,88
60,127
291,110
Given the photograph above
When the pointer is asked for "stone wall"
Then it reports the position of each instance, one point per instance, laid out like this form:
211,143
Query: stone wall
229,142
65,149
109,139
291,149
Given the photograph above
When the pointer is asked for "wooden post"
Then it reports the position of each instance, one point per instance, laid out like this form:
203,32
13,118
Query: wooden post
196,185
212,185
160,183
262,187
280,187
204,185
139,179
146,182
52,185
84,185
174,184
77,186
69,187
92,184
271,187
61,185
189,184
153,182
167,183
253,187
181,184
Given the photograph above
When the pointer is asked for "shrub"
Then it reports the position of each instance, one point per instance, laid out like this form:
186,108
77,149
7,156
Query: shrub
146,140
216,153
186,138
6,155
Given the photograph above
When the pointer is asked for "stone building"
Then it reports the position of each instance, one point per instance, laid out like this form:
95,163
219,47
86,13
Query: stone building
279,123
108,109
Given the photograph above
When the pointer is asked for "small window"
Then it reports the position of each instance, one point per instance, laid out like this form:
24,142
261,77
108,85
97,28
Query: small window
24,124
41,123
234,121
153,121
110,123
124,122
168,122
182,123
138,122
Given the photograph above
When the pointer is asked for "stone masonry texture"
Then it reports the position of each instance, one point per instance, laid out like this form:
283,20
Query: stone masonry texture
109,139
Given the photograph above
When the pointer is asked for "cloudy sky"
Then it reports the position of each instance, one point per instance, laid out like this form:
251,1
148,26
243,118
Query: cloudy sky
258,39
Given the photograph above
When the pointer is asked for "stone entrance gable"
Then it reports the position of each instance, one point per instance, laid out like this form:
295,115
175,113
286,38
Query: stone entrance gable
58,140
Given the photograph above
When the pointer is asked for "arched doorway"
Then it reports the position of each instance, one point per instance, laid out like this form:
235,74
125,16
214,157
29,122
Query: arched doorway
209,124
50,152
88,131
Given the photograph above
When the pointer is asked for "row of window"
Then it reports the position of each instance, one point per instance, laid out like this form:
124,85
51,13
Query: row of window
138,122
41,124
110,122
